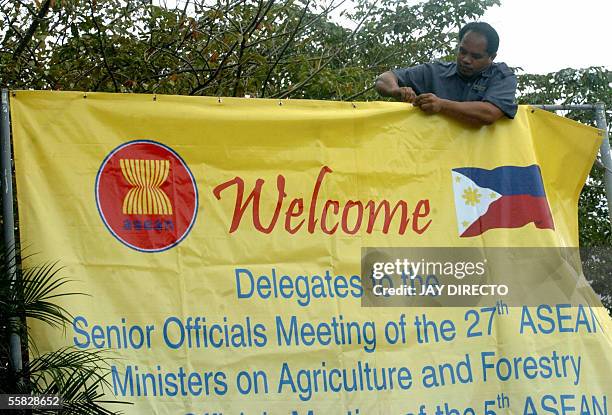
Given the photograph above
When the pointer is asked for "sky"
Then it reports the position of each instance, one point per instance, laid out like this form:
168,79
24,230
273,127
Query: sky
547,35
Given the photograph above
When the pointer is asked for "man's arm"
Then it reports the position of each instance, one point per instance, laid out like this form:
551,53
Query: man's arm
472,112
388,86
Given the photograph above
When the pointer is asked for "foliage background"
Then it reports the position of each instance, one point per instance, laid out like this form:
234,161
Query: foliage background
272,49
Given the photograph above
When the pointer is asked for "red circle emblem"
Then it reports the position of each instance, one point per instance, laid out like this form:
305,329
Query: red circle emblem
146,196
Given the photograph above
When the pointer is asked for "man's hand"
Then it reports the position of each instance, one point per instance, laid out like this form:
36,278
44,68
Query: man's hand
429,103
405,94
475,113
387,86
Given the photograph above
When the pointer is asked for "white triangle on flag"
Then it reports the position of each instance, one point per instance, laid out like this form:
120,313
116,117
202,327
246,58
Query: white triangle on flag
471,200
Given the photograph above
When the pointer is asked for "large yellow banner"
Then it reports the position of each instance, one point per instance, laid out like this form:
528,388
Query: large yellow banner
238,254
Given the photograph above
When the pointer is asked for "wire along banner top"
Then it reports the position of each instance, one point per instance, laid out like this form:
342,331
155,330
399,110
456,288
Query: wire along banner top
249,256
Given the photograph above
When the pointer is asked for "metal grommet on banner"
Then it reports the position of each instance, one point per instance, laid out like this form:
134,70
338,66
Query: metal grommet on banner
13,93
219,100
85,95
155,97
280,103
353,104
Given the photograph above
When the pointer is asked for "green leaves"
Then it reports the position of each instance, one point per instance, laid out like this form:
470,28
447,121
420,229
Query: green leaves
79,376
258,47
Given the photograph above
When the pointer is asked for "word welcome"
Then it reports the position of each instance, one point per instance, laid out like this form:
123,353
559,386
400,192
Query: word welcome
348,217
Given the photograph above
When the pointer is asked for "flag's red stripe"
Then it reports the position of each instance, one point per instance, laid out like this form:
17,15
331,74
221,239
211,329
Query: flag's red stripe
513,212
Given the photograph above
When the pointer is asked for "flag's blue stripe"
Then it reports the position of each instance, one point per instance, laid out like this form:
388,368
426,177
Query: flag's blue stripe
508,180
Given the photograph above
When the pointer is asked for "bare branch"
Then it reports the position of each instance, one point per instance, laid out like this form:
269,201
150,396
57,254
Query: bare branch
290,90
252,26
284,48
102,46
352,97
27,37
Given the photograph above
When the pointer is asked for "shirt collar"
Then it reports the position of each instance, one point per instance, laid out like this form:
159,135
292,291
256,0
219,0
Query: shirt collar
452,70
449,71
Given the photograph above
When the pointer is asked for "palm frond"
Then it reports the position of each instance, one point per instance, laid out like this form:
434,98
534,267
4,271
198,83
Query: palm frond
78,376
32,294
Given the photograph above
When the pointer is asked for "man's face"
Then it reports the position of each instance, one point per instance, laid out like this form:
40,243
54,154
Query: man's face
472,56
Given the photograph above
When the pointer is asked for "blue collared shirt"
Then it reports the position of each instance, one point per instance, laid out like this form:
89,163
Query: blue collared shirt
496,84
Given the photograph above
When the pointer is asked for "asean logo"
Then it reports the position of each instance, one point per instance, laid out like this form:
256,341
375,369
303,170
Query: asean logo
146,196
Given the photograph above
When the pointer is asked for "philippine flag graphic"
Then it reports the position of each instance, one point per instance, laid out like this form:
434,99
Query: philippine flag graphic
505,197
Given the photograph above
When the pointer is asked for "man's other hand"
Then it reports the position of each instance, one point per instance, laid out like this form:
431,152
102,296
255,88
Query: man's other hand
405,94
429,103
387,86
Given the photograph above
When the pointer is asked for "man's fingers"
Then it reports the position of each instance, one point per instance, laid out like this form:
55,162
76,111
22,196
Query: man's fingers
428,103
426,107
407,94
411,95
423,98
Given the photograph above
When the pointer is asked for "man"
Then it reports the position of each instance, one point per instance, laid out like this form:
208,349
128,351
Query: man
473,89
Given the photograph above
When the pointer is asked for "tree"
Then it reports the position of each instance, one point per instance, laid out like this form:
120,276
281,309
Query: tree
265,48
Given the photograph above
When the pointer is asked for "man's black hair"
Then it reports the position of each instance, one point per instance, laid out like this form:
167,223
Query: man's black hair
484,29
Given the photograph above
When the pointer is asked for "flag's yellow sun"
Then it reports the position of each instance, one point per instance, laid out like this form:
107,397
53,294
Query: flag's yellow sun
471,196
